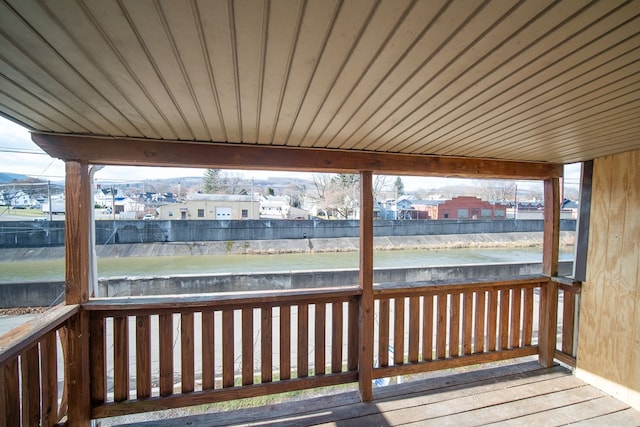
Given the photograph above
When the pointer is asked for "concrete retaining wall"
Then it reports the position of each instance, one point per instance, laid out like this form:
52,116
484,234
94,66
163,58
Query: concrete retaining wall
45,294
33,234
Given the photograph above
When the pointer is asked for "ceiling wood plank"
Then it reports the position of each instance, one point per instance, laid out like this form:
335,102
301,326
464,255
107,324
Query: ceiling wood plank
123,151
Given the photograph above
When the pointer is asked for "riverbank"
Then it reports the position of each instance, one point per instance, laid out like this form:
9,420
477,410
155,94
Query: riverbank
304,245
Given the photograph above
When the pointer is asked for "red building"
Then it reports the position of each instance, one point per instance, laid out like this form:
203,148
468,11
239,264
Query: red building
466,207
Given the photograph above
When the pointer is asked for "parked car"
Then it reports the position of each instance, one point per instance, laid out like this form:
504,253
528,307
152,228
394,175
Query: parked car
148,217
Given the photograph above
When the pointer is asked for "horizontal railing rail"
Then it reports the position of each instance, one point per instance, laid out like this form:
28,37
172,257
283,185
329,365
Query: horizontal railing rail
426,326
157,353
32,360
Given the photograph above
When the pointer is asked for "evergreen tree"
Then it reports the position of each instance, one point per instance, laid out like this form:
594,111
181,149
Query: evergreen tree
212,181
399,186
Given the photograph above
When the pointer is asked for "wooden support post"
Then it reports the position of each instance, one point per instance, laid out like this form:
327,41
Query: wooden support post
549,292
366,284
78,205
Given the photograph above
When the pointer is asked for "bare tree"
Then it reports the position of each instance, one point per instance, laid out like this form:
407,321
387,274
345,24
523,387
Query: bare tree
218,181
497,190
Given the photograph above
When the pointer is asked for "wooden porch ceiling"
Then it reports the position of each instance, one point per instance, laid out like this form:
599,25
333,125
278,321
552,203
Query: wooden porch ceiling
529,81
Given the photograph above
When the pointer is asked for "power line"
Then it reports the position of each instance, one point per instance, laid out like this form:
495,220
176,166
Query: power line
21,150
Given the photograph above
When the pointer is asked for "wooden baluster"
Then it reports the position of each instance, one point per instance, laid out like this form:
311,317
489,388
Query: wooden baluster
454,326
467,322
30,367
504,319
285,342
441,331
303,340
398,331
120,358
480,322
320,337
492,314
208,350
10,393
49,368
427,327
247,346
568,317
352,336
383,329
97,353
266,349
527,317
165,342
143,356
336,337
414,328
516,303
228,351
187,353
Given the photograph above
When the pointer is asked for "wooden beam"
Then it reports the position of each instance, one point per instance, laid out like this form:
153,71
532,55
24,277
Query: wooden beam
549,292
146,152
582,238
551,237
366,285
77,244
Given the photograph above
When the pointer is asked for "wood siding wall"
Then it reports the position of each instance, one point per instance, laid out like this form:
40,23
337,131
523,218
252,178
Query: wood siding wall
609,337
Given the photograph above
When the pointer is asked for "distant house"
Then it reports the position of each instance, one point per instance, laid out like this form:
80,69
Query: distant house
103,197
405,210
279,207
274,207
427,209
16,199
212,207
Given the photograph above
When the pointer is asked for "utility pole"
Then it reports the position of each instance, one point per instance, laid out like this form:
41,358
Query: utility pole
49,193
113,203
515,203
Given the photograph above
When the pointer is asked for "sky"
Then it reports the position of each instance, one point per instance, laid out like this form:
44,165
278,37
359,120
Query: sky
22,156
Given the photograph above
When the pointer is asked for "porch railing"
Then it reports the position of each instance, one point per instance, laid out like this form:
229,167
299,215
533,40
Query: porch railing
32,387
429,326
568,297
153,353
251,344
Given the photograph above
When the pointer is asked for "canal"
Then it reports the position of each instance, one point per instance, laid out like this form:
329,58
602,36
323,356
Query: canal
53,270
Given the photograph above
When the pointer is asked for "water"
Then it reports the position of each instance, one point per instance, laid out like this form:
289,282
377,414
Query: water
53,270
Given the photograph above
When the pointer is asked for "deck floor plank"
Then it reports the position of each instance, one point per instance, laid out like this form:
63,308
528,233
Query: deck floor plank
626,418
598,407
518,394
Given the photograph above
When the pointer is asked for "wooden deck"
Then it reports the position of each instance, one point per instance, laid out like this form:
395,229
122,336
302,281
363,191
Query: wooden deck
519,394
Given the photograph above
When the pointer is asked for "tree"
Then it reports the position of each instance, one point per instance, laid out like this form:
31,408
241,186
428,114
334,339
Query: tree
399,187
218,181
212,181
296,194
497,190
337,194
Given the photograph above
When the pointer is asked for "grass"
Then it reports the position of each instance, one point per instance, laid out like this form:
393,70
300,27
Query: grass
29,213
272,399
